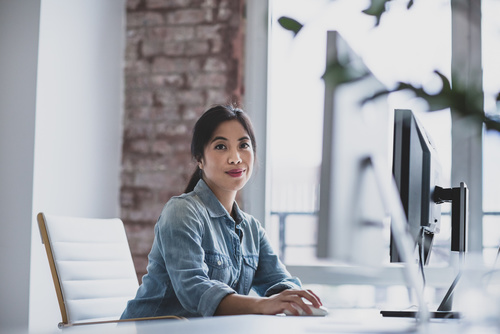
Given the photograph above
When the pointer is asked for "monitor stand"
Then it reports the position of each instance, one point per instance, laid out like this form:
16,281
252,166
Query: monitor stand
413,314
459,198
443,312
404,242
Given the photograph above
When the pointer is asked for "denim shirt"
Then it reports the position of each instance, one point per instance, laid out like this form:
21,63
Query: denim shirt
200,254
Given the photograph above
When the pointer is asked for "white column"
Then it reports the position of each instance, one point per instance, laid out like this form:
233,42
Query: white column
467,133
19,29
256,75
78,126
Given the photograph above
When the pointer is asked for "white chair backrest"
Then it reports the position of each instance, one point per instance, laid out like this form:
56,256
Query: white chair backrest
94,266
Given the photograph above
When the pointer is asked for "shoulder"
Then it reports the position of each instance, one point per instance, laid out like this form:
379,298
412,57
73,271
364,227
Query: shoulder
251,222
184,203
183,209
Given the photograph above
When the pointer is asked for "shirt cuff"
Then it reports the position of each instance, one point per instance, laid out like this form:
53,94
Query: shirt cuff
278,287
211,299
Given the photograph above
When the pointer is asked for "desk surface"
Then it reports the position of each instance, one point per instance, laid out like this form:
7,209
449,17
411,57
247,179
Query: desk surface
339,321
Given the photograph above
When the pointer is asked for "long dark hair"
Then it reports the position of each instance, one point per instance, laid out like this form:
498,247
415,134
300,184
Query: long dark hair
204,129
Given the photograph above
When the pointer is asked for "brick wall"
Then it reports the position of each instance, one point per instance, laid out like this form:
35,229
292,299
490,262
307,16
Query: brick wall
182,56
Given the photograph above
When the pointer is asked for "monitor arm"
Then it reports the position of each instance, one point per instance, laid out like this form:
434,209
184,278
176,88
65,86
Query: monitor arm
459,205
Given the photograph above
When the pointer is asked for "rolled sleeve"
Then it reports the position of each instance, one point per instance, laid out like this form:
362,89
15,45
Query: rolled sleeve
212,297
292,283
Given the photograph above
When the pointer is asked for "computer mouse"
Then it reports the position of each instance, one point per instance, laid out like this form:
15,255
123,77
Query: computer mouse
316,312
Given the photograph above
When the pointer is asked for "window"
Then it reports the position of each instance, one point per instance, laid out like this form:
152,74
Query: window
408,45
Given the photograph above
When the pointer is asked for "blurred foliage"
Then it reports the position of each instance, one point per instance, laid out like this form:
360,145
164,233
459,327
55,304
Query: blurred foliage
342,71
379,7
457,97
463,101
290,24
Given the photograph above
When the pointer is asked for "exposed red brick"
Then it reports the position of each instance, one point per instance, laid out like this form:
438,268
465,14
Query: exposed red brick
172,33
158,4
132,4
174,80
139,19
181,57
187,16
175,65
194,48
207,80
215,65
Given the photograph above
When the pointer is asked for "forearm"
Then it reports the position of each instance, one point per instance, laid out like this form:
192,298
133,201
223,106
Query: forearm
234,304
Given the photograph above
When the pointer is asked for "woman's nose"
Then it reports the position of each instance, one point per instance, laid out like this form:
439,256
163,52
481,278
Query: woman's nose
234,158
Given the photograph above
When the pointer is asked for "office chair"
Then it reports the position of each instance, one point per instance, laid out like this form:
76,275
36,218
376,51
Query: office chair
91,267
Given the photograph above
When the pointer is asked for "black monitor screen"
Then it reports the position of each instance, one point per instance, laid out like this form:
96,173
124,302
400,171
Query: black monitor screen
416,171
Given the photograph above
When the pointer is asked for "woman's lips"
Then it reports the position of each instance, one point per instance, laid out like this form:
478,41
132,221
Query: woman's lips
235,172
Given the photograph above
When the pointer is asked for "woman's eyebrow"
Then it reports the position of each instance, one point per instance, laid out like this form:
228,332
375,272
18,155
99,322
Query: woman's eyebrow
219,138
224,138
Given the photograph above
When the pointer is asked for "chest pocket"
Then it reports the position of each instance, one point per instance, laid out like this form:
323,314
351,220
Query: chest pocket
250,263
219,267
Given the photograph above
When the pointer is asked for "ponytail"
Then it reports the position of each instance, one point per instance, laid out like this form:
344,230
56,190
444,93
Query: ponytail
193,180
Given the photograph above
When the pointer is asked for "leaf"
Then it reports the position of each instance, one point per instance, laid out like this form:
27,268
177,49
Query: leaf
290,24
336,73
377,8
492,122
466,102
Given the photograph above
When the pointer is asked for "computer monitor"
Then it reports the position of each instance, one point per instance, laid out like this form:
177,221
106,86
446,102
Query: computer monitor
357,189
350,229
417,172
357,192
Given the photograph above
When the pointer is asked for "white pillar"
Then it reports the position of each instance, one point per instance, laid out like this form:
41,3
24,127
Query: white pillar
256,76
19,30
467,134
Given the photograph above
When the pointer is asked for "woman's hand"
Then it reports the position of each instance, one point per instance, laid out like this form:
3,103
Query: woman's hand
286,300
289,300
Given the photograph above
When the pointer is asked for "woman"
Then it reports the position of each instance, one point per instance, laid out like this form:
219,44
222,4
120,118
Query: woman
208,254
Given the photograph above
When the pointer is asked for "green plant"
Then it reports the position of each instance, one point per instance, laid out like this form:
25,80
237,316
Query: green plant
464,101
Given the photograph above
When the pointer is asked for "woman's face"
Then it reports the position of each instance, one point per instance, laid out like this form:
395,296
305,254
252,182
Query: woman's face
228,158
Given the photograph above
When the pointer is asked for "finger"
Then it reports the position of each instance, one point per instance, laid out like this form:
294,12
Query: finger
310,296
315,296
299,302
292,310
296,304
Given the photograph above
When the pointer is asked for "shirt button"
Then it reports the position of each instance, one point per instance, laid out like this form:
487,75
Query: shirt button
219,262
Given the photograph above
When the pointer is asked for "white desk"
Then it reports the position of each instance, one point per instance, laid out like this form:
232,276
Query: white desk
339,321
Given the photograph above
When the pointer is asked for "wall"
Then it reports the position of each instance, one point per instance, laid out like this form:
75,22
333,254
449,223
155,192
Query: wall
79,111
181,57
18,69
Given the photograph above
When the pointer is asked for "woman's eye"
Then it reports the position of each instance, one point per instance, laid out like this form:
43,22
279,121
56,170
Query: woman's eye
245,145
220,147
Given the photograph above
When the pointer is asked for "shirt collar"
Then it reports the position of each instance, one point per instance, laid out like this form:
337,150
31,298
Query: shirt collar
214,207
